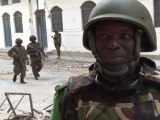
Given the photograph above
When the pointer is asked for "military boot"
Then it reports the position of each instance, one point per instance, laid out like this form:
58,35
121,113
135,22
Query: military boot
14,78
36,77
22,81
58,57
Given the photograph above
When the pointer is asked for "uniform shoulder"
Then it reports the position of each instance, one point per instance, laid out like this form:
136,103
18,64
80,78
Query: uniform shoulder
79,82
37,45
29,44
154,79
23,47
75,83
13,48
59,88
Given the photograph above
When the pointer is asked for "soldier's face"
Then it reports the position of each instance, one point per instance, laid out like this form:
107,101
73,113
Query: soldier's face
33,40
115,42
19,43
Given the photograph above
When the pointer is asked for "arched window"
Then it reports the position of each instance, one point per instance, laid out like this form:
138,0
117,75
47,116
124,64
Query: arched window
15,1
6,15
56,19
86,9
7,30
157,13
4,2
18,22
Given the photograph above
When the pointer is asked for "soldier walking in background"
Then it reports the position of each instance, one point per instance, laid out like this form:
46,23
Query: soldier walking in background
57,43
19,55
37,54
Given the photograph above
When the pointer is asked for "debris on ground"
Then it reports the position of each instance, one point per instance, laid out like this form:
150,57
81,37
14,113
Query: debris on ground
54,72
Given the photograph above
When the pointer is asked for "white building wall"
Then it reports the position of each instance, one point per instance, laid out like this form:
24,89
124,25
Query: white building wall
11,9
72,22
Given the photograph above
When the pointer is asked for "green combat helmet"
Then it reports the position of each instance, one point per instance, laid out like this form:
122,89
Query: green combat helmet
18,41
131,11
32,38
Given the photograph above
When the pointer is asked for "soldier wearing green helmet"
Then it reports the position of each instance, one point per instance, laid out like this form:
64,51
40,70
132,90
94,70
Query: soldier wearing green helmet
122,85
20,59
57,43
37,55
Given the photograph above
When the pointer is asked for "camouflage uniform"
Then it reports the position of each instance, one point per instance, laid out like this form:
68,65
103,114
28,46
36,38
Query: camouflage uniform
57,43
19,60
82,99
36,53
101,94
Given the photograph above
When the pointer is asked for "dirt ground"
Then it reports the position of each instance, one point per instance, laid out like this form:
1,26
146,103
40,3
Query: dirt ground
54,72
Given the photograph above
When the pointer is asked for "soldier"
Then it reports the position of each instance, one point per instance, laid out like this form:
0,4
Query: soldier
19,55
57,43
122,85
37,54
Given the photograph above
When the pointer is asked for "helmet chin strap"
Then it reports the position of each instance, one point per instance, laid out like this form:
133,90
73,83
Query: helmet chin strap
114,76
105,72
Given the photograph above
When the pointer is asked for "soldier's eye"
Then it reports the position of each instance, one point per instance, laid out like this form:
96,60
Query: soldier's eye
126,36
102,36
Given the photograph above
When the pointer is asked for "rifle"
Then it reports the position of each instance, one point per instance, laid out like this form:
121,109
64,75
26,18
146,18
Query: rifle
14,54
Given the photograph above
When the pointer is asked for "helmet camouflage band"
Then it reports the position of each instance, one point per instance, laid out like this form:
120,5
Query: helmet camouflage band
131,11
18,40
32,38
